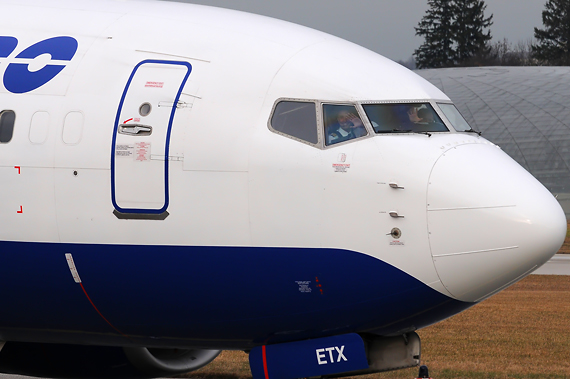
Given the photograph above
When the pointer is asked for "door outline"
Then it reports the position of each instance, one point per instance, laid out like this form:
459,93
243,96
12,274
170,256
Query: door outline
162,210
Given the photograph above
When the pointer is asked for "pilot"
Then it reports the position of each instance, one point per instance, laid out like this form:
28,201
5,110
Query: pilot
429,121
347,127
413,115
426,116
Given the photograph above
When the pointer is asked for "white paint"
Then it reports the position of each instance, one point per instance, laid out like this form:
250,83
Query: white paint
340,353
72,268
474,253
322,356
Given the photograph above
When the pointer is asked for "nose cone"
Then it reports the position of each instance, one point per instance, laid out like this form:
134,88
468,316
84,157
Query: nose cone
490,222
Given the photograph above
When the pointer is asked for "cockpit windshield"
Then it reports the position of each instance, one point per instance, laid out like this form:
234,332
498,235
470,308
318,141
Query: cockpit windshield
402,118
456,119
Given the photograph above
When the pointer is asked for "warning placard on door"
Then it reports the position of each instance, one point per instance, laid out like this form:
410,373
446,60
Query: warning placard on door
139,151
124,151
142,151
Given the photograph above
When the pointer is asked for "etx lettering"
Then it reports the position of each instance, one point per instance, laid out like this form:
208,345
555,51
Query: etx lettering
322,356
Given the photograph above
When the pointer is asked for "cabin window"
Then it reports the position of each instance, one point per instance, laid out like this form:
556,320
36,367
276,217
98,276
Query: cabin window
73,128
297,119
404,118
7,119
342,123
39,127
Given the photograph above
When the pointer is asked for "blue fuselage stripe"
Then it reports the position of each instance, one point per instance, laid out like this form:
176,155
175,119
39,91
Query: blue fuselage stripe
237,296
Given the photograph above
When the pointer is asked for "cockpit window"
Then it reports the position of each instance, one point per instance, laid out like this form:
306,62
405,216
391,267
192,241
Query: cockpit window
342,123
401,118
297,119
456,119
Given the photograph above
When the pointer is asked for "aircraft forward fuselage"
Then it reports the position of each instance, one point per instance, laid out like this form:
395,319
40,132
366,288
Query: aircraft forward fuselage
178,176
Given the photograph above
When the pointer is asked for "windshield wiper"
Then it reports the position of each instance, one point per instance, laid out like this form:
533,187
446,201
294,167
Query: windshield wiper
401,131
473,131
411,131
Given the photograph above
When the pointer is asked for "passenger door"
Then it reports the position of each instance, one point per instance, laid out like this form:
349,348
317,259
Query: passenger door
141,138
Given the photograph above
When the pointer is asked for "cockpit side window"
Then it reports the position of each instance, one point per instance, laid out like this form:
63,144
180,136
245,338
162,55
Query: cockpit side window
342,123
7,119
402,118
297,119
454,117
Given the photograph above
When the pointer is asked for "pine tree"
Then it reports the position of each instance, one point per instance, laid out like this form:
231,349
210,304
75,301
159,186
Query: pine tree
553,41
436,28
472,42
454,34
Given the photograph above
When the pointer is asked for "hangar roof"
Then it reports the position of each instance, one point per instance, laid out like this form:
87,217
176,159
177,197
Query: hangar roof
525,110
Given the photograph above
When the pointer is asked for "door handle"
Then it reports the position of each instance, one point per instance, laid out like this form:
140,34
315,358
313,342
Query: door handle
135,130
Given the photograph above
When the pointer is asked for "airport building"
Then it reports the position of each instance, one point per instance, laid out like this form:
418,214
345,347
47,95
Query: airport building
524,110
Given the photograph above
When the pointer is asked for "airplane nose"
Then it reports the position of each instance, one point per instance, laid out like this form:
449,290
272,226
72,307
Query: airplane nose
490,222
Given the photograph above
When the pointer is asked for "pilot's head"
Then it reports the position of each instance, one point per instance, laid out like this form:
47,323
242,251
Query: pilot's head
344,118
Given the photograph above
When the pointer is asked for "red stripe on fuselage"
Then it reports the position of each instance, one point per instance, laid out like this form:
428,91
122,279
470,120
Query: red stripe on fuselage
100,314
265,363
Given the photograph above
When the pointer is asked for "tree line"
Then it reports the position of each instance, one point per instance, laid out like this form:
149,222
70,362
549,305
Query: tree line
457,34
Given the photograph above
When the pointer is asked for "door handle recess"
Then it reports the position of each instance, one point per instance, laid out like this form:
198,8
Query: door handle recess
135,130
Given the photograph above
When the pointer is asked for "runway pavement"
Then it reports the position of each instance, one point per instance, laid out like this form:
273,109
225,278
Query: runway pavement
558,265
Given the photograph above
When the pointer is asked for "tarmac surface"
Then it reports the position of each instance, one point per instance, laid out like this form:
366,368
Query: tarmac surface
557,265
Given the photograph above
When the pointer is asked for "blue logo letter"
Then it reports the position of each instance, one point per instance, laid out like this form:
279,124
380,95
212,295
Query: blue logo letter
18,79
7,45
